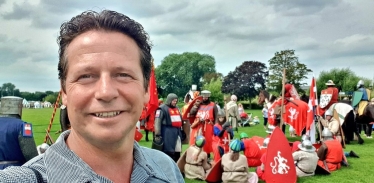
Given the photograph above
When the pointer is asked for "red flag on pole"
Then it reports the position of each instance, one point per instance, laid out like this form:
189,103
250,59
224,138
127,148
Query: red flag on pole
153,95
312,103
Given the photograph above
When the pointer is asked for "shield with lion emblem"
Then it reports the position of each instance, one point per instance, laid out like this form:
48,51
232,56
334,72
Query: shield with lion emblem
325,98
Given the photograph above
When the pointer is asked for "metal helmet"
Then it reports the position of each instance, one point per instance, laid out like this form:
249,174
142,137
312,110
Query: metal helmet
305,137
266,142
170,98
360,84
328,113
243,135
221,113
205,93
11,106
200,141
306,146
235,145
326,134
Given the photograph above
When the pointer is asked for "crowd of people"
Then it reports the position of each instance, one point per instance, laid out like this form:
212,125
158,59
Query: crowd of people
105,59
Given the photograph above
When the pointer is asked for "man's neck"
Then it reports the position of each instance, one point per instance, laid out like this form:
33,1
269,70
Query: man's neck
114,163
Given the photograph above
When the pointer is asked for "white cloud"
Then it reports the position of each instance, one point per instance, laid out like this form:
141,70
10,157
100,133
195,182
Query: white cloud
324,34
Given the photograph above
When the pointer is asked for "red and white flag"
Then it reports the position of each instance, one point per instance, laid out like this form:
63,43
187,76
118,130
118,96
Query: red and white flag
313,102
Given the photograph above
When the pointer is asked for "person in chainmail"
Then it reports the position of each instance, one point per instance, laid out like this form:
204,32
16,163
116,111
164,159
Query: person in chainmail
17,144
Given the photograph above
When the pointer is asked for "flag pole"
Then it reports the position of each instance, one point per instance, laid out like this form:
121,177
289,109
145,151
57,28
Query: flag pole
282,106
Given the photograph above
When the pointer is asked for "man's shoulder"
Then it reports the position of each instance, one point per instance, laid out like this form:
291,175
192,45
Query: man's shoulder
155,155
24,173
161,164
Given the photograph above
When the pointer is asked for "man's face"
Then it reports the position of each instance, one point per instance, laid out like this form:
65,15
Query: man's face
174,102
328,117
205,98
105,91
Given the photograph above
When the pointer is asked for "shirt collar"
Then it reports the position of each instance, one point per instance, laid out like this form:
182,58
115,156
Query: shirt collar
144,166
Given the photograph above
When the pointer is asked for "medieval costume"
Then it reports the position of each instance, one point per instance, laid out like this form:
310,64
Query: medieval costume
196,160
168,123
233,113
221,137
206,117
260,169
17,144
332,124
251,150
235,166
330,151
364,101
328,97
305,159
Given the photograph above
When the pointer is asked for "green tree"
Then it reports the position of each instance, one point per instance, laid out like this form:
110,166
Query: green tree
344,79
51,98
214,86
296,72
8,89
210,76
178,72
246,80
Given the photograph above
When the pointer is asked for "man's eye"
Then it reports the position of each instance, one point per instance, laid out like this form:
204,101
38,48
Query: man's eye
85,76
123,75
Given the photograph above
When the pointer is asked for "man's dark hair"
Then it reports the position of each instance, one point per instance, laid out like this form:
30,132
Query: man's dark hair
107,21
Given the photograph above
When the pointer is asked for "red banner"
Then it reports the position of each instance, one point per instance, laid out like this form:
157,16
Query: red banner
312,103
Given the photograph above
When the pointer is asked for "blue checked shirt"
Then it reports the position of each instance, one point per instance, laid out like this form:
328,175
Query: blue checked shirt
60,164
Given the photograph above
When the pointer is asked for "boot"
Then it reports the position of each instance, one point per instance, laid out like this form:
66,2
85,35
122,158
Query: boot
343,163
353,154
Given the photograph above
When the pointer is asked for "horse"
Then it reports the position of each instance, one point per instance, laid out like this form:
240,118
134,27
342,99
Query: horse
344,113
295,114
366,118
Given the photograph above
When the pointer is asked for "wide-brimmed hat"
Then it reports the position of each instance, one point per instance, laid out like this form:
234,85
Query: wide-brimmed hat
330,83
307,146
205,93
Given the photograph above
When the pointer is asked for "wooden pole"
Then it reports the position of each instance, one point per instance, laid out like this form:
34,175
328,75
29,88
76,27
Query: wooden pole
53,116
282,106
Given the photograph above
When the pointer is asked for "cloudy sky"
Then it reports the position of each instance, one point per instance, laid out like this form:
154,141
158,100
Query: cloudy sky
325,33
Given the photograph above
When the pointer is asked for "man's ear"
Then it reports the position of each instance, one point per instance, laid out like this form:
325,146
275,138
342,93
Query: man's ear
64,98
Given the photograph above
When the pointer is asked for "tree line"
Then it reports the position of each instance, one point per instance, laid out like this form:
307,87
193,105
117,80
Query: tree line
9,89
177,72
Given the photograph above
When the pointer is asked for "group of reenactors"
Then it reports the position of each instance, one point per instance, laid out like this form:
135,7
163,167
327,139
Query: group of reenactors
209,131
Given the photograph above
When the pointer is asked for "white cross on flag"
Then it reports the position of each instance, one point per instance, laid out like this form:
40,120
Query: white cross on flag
313,102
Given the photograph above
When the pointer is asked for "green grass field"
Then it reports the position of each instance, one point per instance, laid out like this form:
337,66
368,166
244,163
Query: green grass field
358,171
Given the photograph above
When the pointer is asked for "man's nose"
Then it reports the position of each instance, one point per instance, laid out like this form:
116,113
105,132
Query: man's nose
106,88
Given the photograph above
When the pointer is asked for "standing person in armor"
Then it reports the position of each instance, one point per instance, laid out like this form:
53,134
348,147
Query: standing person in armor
330,151
233,112
206,117
168,123
17,144
221,137
328,97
